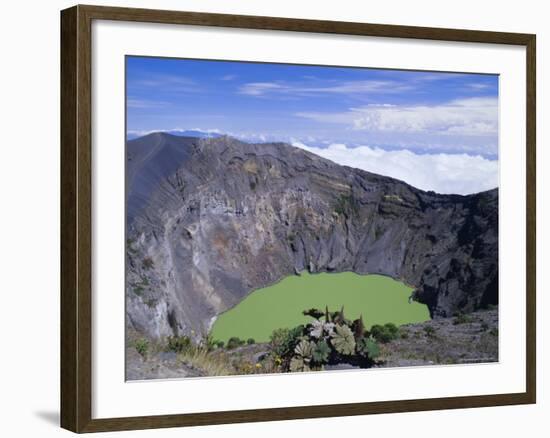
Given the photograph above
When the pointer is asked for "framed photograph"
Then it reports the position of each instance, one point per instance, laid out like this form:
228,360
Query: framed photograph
304,218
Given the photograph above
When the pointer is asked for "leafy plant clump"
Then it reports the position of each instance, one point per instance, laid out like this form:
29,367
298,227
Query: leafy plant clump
283,341
329,339
142,346
429,331
384,333
234,342
178,343
346,205
462,318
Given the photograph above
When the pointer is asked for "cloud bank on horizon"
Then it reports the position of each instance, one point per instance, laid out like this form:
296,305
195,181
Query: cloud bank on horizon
435,131
460,174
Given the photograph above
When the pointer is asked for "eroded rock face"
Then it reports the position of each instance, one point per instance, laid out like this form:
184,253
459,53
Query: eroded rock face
210,220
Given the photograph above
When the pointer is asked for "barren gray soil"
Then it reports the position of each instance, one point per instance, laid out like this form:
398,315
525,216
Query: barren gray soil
471,338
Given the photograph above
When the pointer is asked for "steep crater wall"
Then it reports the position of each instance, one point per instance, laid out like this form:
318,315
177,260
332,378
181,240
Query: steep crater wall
214,219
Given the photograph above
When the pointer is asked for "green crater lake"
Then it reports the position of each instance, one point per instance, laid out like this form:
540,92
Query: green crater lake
378,298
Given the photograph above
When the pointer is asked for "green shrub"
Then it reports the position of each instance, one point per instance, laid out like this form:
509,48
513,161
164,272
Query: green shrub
429,331
250,341
283,341
220,344
208,342
376,330
346,205
384,333
179,344
234,342
461,318
142,346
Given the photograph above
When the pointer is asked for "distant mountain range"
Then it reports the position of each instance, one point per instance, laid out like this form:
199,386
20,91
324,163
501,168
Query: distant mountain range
211,219
178,133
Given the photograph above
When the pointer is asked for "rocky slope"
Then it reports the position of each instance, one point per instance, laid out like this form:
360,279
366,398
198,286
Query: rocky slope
210,220
471,338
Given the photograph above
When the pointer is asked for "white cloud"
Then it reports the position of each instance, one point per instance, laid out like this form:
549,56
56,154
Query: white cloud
478,86
172,83
443,173
206,131
146,104
261,89
470,116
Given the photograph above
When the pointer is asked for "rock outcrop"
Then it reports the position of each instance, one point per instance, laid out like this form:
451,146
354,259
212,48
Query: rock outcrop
210,220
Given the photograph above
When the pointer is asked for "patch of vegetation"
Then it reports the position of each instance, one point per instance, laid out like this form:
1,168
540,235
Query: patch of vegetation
462,318
138,290
207,356
147,263
393,198
178,344
384,333
429,331
151,302
210,364
368,347
142,346
330,339
234,342
130,246
346,205
250,341
314,313
284,340
321,352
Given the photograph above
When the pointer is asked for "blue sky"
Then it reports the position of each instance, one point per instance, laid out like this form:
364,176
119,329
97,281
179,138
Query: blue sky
384,111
